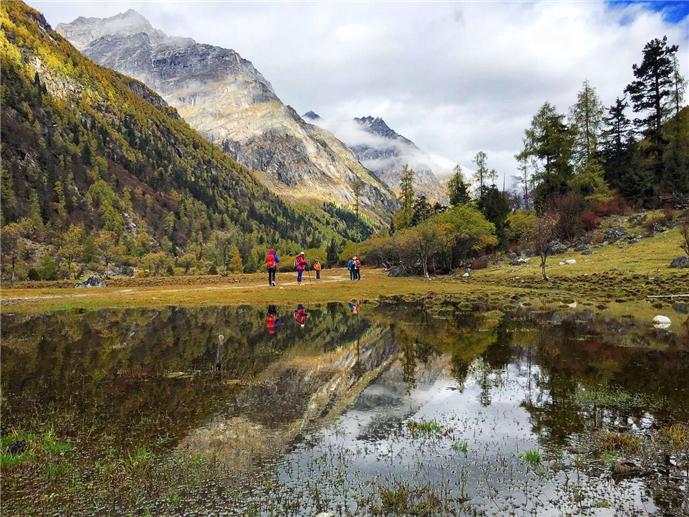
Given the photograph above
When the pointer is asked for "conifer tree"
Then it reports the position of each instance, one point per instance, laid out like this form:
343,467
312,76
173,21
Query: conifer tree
458,190
651,94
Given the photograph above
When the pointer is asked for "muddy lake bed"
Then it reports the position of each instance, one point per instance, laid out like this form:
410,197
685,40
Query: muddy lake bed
422,408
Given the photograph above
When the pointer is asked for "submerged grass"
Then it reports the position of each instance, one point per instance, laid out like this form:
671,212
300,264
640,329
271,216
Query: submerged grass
614,398
424,428
532,456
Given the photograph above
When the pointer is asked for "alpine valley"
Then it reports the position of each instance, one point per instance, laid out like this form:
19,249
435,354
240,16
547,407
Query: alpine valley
95,164
222,95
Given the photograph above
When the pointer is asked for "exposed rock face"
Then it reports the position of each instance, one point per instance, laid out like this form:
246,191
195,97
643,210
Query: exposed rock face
385,152
223,96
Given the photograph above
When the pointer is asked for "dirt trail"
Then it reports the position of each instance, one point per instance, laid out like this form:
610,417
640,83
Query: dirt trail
93,292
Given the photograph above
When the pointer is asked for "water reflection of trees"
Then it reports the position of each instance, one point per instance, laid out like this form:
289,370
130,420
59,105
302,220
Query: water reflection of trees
136,374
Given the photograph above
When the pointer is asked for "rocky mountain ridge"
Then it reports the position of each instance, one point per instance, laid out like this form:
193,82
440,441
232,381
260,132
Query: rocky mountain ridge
224,97
385,152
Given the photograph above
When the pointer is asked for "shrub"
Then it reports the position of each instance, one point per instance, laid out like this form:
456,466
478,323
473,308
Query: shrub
589,220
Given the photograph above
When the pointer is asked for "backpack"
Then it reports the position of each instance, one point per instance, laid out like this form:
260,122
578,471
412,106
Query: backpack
270,260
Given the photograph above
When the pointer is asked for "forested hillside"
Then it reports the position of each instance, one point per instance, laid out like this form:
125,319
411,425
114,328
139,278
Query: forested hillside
97,169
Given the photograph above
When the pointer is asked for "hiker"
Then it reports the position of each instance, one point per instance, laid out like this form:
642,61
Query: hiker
272,261
272,320
300,315
300,265
317,269
357,268
350,266
354,306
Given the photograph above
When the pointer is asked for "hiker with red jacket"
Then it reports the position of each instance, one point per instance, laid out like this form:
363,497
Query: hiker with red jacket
300,265
300,315
272,320
272,261
357,268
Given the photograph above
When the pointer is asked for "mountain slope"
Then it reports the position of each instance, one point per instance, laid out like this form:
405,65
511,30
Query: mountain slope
385,152
84,145
223,96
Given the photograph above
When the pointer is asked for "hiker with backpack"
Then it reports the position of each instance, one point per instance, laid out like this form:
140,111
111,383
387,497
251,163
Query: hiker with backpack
300,265
300,315
317,269
357,268
272,261
350,267
272,320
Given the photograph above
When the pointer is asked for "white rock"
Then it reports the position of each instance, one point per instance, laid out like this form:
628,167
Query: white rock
570,261
465,274
662,322
562,263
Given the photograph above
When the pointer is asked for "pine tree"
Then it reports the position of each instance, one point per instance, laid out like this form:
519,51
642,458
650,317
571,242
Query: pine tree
548,141
481,174
458,190
422,210
406,211
587,120
651,95
235,263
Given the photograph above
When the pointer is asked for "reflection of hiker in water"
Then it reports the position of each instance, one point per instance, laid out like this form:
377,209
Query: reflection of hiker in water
354,306
300,315
219,353
272,320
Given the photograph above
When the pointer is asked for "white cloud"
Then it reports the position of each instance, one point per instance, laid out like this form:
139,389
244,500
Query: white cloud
454,78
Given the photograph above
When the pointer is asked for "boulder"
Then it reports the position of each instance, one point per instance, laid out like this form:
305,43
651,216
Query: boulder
680,262
661,322
570,261
626,468
91,281
555,247
614,234
518,261
637,219
587,251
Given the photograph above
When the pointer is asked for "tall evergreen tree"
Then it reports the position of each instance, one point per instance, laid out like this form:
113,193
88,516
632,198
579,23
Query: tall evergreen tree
651,95
422,210
549,142
458,190
404,215
482,172
587,120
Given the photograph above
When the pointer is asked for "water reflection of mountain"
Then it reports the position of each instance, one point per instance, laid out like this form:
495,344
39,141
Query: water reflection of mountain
140,373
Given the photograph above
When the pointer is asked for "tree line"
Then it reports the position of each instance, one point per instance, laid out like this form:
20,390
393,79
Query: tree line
574,168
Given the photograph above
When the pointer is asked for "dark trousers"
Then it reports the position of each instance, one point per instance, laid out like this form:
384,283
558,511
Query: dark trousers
351,274
357,274
318,274
271,275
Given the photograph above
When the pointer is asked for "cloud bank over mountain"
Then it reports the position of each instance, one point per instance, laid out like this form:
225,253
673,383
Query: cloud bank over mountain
454,78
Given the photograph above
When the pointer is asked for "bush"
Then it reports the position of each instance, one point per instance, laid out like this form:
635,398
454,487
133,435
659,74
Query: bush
589,220
519,223
616,205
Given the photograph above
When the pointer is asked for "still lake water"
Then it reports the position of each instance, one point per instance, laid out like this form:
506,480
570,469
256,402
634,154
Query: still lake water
418,408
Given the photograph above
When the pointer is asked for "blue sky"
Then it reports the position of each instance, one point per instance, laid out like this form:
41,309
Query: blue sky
673,11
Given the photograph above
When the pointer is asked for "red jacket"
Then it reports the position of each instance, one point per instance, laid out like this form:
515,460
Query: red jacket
300,263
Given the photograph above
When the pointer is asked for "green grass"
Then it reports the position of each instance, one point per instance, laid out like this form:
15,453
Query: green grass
424,427
460,446
614,398
532,456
